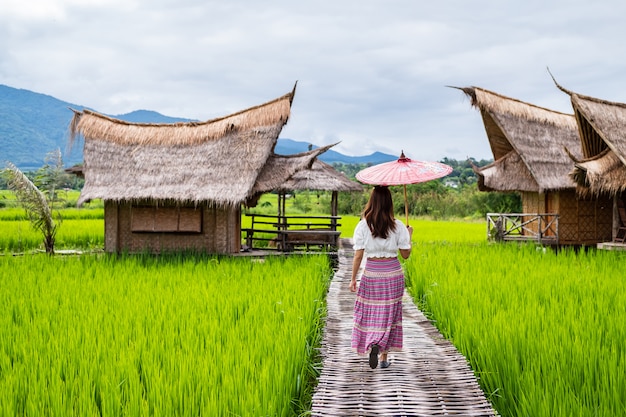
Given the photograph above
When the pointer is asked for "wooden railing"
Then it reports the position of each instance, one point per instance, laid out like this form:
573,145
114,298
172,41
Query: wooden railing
539,227
290,233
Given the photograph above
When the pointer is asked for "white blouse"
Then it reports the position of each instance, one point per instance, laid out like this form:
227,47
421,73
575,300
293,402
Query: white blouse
376,247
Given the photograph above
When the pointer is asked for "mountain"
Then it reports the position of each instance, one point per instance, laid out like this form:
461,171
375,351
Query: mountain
290,146
149,116
33,124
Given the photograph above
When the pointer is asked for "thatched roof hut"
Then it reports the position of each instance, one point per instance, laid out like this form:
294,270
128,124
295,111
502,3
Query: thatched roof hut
532,146
216,161
280,168
602,127
180,186
320,176
527,143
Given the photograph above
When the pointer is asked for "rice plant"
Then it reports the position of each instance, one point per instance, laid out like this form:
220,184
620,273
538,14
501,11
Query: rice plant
543,330
430,230
18,236
169,336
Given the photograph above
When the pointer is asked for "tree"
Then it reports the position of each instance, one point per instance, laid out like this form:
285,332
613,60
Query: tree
34,203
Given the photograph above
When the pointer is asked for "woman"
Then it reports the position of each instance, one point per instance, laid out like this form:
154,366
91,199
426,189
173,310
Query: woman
378,307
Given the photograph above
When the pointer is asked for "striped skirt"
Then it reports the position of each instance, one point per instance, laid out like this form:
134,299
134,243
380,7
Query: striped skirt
378,307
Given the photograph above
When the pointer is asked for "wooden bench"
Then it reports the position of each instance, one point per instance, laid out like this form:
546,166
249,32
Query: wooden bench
325,238
286,233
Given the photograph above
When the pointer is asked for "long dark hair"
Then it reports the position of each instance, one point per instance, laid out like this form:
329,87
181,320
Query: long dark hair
378,212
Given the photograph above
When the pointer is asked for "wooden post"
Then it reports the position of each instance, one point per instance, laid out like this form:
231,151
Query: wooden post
333,210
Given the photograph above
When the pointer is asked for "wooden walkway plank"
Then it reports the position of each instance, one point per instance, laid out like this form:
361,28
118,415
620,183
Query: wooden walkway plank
429,377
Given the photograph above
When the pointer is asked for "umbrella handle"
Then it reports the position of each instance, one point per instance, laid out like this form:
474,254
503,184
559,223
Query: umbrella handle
406,207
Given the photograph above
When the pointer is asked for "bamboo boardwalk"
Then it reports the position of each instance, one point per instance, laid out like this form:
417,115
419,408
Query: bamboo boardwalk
429,377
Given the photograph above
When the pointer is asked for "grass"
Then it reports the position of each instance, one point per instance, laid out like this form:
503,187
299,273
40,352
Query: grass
543,331
18,236
169,336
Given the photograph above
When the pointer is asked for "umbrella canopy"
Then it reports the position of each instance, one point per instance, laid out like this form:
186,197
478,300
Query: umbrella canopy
402,172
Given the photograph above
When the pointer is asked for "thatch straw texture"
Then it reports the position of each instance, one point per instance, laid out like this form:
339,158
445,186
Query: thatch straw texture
217,161
538,136
320,176
94,125
608,121
279,168
599,120
602,126
604,174
497,175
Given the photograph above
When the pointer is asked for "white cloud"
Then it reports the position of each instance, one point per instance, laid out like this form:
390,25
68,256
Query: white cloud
371,74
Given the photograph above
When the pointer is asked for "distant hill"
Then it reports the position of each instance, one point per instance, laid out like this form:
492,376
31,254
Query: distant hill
148,116
33,124
289,146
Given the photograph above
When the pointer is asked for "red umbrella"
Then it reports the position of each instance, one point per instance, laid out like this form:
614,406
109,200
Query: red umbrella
402,172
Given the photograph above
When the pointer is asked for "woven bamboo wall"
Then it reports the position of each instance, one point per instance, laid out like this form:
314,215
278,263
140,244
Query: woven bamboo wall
568,217
585,221
533,203
580,221
143,228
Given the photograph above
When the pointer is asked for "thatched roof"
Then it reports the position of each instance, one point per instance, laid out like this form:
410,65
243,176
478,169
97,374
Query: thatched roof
279,168
497,176
537,135
217,161
602,126
604,173
320,176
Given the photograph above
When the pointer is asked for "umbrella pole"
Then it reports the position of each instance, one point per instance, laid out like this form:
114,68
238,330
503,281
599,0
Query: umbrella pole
406,207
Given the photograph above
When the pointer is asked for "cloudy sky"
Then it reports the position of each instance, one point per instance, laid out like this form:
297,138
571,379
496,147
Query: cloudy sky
371,74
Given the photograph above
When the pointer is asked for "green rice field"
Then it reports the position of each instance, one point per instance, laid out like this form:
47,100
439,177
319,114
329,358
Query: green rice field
168,336
17,236
179,335
544,331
